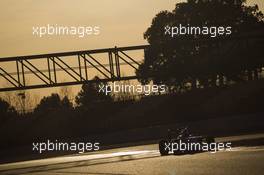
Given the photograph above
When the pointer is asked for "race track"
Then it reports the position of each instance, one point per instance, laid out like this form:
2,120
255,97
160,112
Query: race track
145,160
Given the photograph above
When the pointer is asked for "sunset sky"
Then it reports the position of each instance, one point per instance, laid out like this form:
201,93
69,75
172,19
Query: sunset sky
121,22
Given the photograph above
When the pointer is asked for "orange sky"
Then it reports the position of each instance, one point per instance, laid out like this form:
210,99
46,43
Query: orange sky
122,23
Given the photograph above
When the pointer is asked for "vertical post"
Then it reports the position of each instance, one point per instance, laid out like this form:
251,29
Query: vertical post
49,70
111,64
117,63
23,73
85,67
145,53
18,74
54,70
80,68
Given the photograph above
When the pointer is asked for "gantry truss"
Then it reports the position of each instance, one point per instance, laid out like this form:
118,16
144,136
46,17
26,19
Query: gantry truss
243,48
110,71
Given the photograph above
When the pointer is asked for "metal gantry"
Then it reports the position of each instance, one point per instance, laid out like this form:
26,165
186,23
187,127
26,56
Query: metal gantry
248,47
111,71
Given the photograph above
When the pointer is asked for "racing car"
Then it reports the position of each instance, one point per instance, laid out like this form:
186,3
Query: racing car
185,143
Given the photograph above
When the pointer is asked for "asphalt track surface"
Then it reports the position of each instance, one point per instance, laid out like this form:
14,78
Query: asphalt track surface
145,159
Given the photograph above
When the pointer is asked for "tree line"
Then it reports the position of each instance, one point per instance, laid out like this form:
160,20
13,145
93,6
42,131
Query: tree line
191,61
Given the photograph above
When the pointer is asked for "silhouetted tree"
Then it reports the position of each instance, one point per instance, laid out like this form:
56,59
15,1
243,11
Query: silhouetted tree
6,110
66,103
49,104
183,59
90,94
53,104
